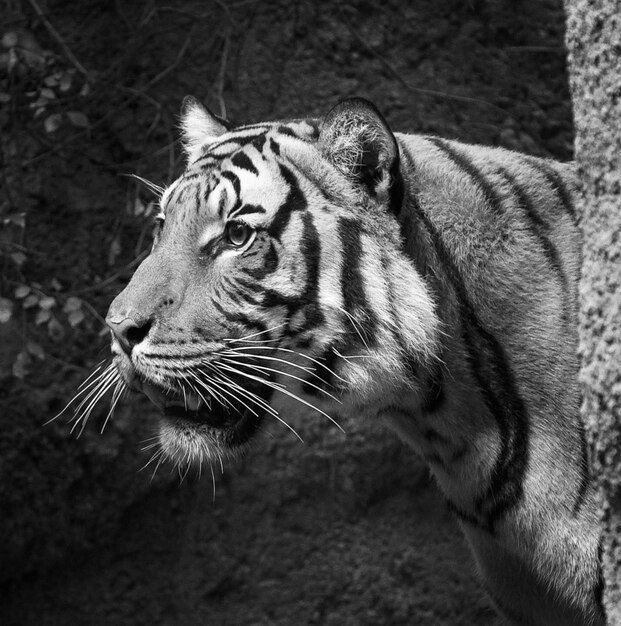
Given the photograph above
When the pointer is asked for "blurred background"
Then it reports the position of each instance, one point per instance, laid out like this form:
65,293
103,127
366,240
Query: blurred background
343,529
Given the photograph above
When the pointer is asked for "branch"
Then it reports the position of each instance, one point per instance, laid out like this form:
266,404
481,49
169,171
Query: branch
56,35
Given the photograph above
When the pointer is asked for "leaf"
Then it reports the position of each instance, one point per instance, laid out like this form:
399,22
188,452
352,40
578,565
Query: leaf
47,303
78,119
42,316
10,39
6,310
75,317
56,284
86,89
65,81
52,122
51,80
35,349
5,98
21,364
19,258
72,304
19,219
30,301
55,329
22,291
47,93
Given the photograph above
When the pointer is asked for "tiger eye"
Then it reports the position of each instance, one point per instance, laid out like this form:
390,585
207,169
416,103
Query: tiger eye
237,233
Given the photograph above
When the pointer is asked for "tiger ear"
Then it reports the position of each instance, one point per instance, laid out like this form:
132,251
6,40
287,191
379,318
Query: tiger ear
356,139
199,124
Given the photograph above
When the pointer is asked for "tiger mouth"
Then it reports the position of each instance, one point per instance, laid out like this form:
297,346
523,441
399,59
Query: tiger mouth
233,423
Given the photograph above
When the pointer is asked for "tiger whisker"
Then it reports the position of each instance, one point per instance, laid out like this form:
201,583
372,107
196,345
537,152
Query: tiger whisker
97,368
247,394
95,386
92,388
261,332
263,368
150,446
81,389
236,352
260,402
355,324
96,397
215,393
283,390
116,396
196,389
289,351
158,453
151,185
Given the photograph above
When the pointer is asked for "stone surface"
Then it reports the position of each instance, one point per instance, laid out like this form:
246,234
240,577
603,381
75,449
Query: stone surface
594,46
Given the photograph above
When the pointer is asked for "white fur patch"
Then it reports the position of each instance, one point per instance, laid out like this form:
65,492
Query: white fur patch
199,127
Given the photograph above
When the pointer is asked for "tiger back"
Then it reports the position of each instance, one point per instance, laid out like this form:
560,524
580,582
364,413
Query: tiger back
423,282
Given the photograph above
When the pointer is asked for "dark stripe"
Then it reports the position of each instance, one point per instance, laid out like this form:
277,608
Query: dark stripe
248,209
498,388
553,178
410,361
311,253
433,397
473,520
315,128
190,176
295,201
463,162
323,374
539,230
232,316
234,179
435,459
396,189
352,283
241,136
585,474
600,584
242,161
285,130
256,288
242,296
258,143
270,264
231,292
198,197
433,436
274,147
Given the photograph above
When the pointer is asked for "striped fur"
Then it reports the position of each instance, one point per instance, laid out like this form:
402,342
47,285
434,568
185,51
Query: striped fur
424,282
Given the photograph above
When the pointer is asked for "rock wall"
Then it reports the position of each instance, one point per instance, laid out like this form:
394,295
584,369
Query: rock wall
594,45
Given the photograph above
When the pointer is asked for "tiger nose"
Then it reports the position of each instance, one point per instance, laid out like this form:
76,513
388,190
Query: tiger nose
129,331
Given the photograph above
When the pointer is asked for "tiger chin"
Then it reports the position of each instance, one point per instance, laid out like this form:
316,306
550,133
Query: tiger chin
423,282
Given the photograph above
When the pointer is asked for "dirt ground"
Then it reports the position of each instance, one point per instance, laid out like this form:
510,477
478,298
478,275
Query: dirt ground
343,529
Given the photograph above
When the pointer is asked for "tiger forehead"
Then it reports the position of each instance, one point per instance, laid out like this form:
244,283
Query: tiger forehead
245,166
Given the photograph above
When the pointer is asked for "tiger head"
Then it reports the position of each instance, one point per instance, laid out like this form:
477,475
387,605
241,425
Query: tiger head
277,268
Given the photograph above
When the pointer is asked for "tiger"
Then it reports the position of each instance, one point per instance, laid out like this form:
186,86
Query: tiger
425,283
